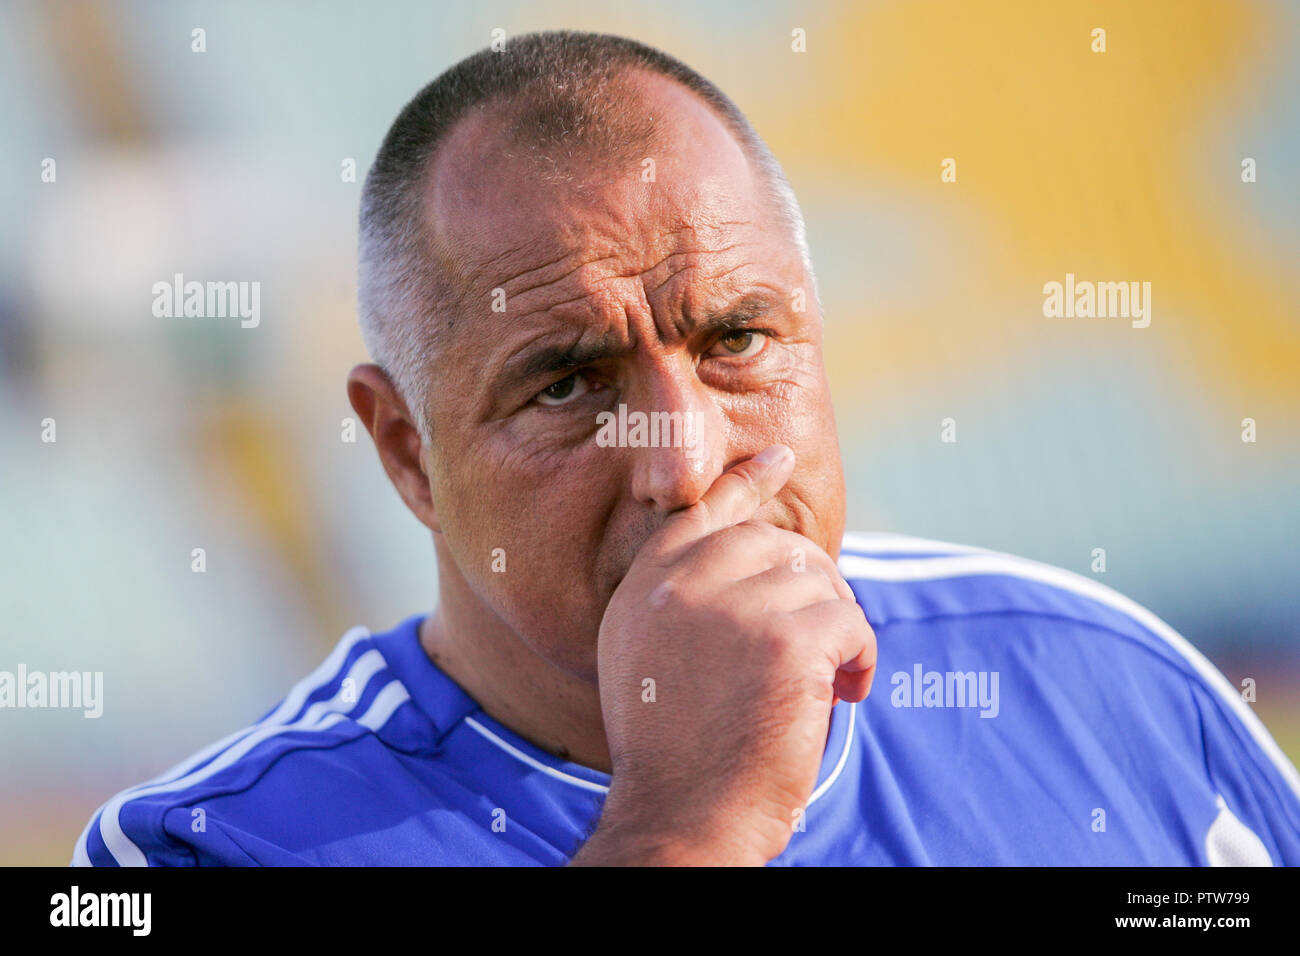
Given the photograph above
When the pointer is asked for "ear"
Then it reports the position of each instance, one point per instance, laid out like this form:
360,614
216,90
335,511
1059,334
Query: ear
397,439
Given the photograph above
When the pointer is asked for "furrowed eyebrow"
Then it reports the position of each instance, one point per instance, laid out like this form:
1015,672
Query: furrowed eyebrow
734,317
550,359
559,358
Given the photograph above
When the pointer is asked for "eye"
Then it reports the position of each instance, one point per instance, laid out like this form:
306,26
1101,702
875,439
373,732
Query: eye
563,391
742,343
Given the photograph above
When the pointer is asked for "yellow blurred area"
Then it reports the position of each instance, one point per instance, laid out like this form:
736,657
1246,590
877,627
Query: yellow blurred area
1073,160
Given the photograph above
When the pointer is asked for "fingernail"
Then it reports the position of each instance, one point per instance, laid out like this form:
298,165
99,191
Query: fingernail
772,455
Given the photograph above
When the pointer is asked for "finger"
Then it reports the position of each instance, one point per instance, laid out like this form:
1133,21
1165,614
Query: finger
854,687
801,551
780,589
813,556
734,497
751,547
847,641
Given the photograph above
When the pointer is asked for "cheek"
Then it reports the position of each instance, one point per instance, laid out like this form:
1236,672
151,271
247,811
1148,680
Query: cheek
794,411
548,514
819,476
544,506
797,412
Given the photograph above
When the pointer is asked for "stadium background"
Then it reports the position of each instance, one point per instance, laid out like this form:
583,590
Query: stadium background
1072,434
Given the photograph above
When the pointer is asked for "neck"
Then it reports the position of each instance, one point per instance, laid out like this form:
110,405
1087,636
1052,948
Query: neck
516,686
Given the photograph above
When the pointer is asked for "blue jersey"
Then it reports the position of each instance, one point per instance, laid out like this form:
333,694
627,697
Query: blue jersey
1020,714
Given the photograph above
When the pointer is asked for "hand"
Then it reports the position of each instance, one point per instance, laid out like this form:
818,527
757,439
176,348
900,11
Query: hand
747,655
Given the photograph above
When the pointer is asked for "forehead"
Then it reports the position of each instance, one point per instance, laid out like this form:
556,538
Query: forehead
499,220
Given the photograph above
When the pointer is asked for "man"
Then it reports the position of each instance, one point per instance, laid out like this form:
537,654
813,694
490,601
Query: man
656,651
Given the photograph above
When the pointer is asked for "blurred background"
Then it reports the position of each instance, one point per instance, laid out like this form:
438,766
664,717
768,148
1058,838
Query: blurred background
230,164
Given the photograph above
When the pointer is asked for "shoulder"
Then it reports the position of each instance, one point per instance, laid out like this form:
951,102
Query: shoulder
350,714
1068,635
902,580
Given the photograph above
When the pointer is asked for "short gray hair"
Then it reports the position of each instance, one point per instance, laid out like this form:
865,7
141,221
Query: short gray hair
555,88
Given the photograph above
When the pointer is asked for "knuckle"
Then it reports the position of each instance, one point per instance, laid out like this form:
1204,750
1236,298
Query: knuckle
736,537
694,518
849,614
676,588
774,638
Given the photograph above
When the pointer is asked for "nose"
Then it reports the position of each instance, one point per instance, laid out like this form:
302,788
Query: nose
684,445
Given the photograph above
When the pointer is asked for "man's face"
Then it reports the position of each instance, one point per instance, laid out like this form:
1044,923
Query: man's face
638,275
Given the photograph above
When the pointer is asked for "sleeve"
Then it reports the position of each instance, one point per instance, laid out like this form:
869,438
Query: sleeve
151,830
1258,823
130,834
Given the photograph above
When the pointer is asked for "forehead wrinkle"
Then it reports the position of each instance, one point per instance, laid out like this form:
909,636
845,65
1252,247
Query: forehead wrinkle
605,305
663,262
484,264
560,278
584,286
618,244
674,273
610,304
595,288
469,282
472,271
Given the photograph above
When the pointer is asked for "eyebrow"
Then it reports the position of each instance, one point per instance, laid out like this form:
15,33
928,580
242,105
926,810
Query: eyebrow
550,359
560,358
